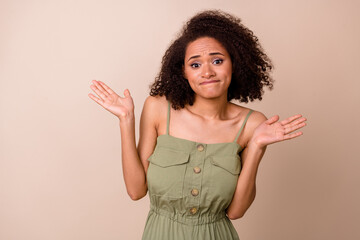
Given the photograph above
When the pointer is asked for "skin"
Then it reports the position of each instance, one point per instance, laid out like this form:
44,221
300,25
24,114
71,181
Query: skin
211,119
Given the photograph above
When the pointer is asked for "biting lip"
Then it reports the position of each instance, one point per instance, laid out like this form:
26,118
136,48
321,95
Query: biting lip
210,81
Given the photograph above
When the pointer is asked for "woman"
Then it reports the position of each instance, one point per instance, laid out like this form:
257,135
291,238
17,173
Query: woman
198,153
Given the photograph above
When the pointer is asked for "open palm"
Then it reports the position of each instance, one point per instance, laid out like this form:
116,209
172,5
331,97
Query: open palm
271,131
119,106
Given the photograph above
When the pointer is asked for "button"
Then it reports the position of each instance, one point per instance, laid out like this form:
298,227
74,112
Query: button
197,169
200,147
193,210
194,192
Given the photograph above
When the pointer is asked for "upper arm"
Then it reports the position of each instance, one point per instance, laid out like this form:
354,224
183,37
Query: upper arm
149,121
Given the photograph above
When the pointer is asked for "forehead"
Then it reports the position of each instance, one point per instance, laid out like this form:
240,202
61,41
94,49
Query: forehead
203,46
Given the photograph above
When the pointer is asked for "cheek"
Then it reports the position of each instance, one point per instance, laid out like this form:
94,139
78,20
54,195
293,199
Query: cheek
190,75
228,72
192,84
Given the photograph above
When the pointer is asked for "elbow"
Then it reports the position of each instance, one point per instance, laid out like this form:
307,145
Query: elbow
136,197
137,193
235,216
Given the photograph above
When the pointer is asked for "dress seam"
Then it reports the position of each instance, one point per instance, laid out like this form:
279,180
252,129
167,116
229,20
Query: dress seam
188,224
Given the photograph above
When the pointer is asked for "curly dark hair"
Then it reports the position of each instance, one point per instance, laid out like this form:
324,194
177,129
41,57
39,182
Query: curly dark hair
251,66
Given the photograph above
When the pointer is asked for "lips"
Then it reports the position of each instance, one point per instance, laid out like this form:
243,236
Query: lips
210,81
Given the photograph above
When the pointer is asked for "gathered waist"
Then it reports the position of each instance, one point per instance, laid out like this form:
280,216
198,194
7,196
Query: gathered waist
188,218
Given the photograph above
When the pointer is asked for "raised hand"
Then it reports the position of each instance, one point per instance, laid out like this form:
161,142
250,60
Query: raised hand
121,107
271,131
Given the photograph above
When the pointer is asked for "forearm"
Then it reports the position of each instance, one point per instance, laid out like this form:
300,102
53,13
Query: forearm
133,170
246,187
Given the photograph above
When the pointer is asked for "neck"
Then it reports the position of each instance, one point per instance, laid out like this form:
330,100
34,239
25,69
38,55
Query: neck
215,108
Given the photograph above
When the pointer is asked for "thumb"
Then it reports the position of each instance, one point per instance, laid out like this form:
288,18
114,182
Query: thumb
272,119
127,93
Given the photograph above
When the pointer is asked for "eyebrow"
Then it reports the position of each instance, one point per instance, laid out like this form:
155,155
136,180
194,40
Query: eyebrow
213,53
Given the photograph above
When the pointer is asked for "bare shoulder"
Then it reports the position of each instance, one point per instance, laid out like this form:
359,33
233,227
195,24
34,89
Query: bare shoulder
254,120
155,102
154,109
151,117
255,117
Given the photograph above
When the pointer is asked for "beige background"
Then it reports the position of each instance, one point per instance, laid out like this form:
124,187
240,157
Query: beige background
60,168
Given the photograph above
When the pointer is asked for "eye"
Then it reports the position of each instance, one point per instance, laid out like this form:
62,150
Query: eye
218,61
195,65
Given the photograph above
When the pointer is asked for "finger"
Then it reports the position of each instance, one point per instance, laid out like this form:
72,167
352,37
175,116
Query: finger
294,128
272,119
296,122
290,119
100,88
109,90
96,99
98,91
293,135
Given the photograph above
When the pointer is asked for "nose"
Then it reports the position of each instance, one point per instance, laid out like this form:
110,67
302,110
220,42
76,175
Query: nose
207,71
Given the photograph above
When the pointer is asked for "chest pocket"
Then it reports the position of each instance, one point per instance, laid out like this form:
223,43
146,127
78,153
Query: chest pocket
225,172
166,172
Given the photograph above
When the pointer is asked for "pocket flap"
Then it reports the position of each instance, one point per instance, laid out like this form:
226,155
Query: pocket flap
232,164
165,157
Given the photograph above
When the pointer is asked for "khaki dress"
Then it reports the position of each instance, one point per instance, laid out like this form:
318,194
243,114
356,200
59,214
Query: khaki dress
190,186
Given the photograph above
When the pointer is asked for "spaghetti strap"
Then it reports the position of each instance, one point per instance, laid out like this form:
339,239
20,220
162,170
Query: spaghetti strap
242,126
168,119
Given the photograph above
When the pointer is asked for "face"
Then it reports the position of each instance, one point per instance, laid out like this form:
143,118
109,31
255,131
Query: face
208,68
